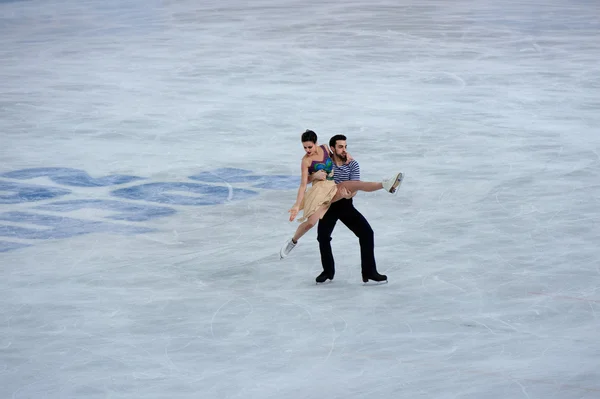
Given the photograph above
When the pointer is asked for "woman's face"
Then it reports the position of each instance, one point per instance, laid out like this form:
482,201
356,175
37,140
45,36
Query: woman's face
309,147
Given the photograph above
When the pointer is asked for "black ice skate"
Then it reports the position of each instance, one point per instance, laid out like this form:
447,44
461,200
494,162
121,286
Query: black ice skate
324,276
378,278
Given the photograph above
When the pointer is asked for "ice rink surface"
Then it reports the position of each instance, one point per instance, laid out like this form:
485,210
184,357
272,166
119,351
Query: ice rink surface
149,152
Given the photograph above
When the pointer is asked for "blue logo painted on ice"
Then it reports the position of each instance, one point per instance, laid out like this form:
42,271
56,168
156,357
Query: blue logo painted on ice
152,200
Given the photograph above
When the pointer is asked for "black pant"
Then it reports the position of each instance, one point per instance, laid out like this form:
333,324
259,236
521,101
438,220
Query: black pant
345,211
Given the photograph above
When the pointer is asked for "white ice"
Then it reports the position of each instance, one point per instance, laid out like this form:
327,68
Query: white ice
490,108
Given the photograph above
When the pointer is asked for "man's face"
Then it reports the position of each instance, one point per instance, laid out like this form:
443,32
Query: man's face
340,150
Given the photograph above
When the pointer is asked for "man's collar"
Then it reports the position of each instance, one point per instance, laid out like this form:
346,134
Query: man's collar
337,161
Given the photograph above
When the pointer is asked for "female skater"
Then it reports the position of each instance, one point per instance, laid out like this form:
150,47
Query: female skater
316,200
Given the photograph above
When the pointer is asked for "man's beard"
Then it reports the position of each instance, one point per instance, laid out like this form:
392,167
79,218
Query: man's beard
342,158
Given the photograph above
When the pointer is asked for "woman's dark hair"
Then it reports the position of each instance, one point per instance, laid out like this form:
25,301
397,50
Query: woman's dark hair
309,135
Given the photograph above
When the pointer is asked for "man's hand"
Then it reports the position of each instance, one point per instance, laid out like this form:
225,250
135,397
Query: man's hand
345,193
319,175
349,158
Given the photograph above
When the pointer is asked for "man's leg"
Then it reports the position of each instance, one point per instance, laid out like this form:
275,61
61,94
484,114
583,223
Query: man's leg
357,223
324,230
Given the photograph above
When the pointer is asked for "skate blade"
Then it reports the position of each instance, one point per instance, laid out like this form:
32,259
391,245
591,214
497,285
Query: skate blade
371,282
397,184
328,281
324,282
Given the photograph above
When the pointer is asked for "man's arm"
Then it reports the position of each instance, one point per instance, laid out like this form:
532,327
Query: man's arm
354,168
318,175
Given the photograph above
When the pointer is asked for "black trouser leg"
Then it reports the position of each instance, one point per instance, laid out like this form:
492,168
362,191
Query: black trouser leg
324,230
357,223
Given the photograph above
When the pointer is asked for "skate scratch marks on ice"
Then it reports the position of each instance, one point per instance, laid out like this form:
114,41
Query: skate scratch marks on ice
212,320
335,337
564,297
534,380
522,387
460,80
436,278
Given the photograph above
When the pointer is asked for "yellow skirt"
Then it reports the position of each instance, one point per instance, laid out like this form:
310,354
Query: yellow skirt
321,193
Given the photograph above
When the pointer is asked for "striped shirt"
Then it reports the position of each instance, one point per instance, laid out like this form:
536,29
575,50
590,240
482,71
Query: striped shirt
345,172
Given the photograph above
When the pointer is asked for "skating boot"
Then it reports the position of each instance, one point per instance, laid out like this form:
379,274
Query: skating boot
378,278
287,248
391,185
324,276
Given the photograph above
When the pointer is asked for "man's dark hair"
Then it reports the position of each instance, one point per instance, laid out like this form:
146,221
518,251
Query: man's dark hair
335,138
309,135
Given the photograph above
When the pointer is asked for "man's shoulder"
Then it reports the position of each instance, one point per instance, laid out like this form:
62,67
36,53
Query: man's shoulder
353,165
350,165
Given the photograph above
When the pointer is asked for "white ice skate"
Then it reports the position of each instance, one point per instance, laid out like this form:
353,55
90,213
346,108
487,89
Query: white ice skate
391,185
287,248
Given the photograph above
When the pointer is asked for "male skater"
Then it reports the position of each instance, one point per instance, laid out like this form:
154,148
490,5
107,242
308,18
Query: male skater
345,211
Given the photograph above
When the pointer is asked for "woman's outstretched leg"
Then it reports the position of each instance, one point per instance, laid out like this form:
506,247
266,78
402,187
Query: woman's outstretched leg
390,185
357,185
346,188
